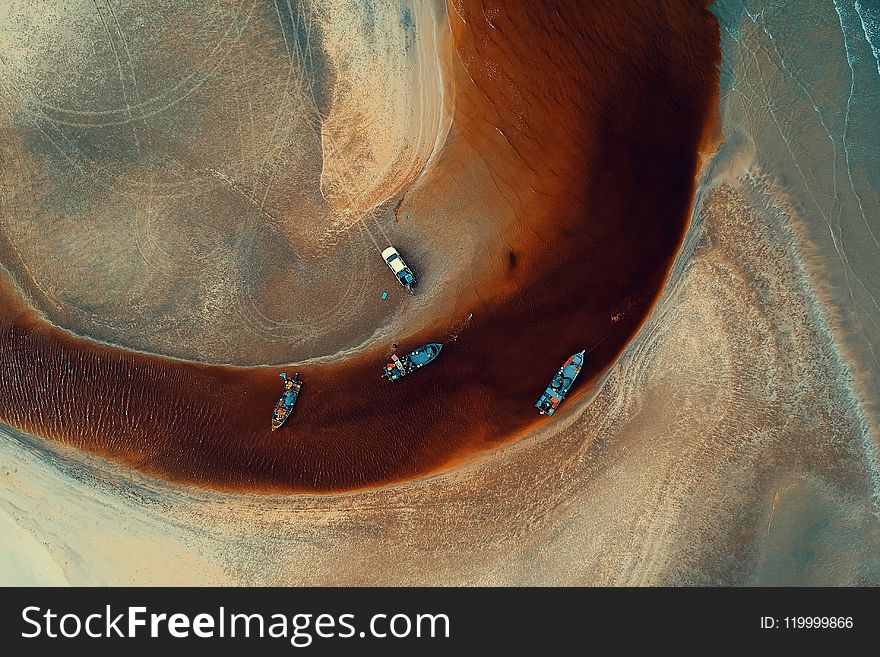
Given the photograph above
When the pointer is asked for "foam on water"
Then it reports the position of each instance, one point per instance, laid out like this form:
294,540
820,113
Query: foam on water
870,19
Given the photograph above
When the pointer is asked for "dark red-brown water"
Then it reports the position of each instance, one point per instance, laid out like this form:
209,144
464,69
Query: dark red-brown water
604,107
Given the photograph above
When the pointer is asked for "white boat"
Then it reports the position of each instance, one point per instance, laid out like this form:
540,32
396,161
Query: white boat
403,273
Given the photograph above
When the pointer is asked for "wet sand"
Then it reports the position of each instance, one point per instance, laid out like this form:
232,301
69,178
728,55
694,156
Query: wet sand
389,113
587,121
639,486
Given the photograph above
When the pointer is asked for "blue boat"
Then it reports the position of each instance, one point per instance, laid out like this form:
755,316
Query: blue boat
288,398
559,386
400,367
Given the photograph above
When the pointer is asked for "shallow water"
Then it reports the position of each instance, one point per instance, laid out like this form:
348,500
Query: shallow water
801,89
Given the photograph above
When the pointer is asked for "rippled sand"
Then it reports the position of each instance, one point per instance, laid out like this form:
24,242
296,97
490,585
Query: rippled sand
733,442
723,448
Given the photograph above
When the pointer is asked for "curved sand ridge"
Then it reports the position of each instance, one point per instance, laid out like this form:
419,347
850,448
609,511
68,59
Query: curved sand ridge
567,175
642,486
388,111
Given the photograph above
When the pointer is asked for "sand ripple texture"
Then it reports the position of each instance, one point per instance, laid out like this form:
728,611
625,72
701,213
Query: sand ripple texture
720,450
733,441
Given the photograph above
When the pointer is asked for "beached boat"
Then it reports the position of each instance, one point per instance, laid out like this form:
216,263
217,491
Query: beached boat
560,385
403,365
401,270
288,398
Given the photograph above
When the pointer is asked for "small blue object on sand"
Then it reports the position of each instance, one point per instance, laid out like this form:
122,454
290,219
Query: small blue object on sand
384,295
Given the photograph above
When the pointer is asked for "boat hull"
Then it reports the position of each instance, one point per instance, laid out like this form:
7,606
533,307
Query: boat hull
285,403
401,270
561,383
400,367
